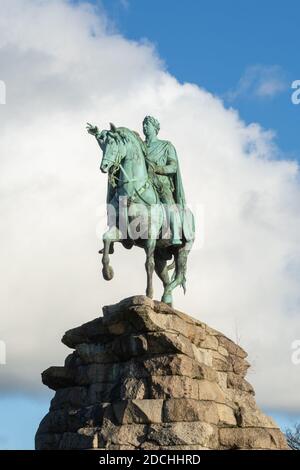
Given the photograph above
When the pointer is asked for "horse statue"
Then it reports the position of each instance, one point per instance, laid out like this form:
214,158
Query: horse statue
136,215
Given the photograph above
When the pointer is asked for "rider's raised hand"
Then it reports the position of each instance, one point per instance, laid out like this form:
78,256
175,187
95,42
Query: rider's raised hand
93,130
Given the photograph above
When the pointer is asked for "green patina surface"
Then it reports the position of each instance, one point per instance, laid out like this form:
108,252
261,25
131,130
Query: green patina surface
146,174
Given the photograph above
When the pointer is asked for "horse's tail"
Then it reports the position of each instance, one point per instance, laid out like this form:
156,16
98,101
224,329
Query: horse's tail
180,268
172,265
183,284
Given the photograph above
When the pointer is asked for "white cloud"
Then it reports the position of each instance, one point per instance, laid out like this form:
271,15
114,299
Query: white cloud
63,68
260,81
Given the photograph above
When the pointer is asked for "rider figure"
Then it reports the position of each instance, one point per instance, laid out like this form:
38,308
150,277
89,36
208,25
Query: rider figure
162,161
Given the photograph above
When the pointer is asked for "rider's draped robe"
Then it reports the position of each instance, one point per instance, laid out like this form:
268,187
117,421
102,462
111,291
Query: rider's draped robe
164,155
168,181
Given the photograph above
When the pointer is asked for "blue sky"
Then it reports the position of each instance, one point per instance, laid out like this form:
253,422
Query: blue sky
214,42
20,417
244,52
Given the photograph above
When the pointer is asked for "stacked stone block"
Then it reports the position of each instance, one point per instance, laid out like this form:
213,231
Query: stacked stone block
146,376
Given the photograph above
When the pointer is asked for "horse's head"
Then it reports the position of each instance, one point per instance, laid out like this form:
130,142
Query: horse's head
113,147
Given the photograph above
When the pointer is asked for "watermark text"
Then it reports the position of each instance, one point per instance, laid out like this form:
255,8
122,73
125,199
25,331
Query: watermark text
2,352
296,352
296,94
2,92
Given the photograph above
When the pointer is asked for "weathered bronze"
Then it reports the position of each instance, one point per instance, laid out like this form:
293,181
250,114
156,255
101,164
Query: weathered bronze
146,204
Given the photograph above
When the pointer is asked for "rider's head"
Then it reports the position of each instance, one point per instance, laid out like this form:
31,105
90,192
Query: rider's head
150,125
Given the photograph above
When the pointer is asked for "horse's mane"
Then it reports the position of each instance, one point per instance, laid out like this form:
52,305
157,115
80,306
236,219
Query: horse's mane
131,136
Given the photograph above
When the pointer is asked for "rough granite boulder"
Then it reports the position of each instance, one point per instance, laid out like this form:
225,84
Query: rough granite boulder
146,376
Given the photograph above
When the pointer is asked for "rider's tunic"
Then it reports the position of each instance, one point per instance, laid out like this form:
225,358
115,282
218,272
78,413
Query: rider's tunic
163,154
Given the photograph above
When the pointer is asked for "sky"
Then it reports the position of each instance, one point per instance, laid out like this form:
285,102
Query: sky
216,44
218,76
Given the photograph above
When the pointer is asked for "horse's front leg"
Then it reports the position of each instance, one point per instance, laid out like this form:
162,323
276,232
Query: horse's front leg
108,238
150,264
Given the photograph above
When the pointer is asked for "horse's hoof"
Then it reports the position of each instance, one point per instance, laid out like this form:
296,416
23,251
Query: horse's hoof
149,294
108,273
167,299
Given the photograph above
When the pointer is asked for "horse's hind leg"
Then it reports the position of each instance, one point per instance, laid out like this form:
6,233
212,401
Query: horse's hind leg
111,249
161,270
150,248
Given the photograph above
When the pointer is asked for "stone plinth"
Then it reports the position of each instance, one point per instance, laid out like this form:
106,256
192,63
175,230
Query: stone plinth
146,376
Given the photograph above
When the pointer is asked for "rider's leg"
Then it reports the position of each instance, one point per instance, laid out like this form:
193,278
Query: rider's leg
173,217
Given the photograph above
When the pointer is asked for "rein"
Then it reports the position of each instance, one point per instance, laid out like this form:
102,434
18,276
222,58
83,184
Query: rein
113,180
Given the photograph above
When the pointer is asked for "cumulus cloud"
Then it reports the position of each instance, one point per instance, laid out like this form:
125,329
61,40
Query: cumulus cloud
259,81
63,66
